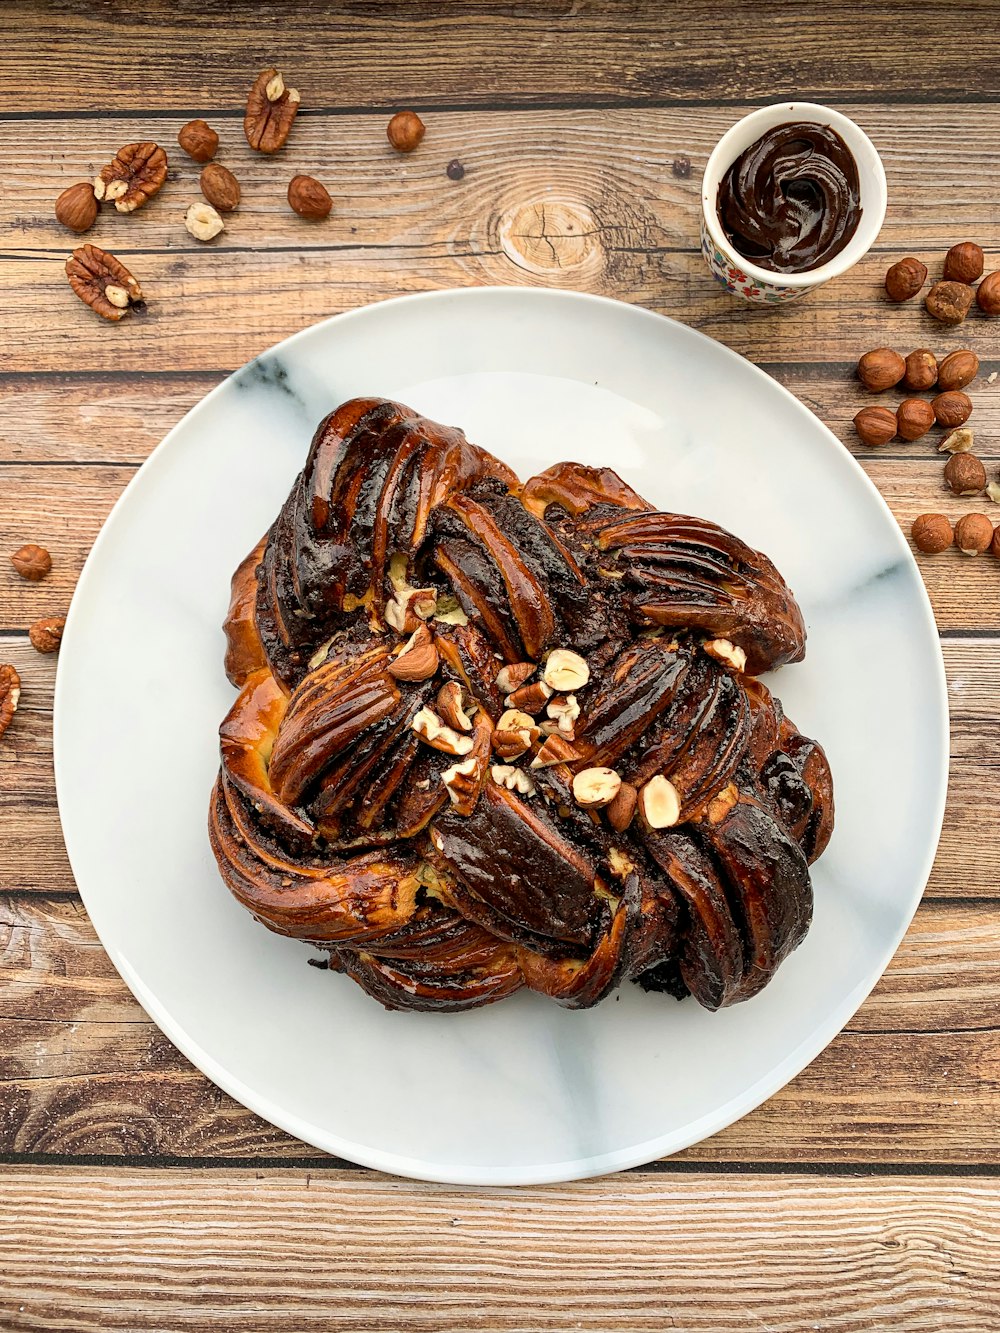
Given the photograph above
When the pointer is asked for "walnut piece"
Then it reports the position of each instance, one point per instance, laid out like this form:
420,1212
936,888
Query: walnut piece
271,110
133,177
103,282
10,693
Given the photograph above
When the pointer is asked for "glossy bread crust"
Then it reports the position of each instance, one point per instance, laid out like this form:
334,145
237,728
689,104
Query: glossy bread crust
438,863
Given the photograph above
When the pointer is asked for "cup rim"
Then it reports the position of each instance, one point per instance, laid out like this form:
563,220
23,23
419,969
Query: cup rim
865,154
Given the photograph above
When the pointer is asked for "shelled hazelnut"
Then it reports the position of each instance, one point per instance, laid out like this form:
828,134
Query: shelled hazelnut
881,369
875,425
964,263
949,302
932,533
904,279
973,534
988,294
952,409
965,474
958,369
921,370
914,417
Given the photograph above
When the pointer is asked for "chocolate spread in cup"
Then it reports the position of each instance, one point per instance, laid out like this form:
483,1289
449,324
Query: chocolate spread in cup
791,201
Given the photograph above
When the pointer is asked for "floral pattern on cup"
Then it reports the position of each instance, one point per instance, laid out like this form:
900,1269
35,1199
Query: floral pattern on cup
737,282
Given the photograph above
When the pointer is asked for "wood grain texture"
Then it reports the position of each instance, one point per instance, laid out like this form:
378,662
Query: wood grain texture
608,171
914,1078
296,1250
480,52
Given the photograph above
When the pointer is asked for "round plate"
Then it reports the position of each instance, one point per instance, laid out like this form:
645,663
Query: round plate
521,1091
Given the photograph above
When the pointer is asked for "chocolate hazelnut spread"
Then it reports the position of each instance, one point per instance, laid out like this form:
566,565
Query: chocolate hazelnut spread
791,201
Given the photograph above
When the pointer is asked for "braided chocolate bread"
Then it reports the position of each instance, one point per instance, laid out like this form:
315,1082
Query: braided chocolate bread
493,735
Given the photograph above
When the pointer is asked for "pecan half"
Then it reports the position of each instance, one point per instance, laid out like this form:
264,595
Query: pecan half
135,175
102,282
10,692
271,109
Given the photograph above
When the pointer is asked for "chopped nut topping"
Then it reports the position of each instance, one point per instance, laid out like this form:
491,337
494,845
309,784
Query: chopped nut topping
418,658
530,698
452,703
511,678
556,750
461,779
659,803
565,710
595,787
565,670
721,804
431,729
727,653
409,605
514,779
622,808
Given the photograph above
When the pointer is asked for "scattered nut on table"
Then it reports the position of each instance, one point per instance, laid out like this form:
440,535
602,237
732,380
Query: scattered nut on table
964,263
875,425
31,562
134,175
958,442
103,282
203,222
965,474
988,294
949,302
973,534
952,409
271,111
921,370
914,417
958,369
46,634
405,131
77,207
309,198
198,140
905,278
881,369
220,187
932,533
10,694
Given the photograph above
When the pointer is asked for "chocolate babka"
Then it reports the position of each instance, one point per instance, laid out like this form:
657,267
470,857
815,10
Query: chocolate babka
493,735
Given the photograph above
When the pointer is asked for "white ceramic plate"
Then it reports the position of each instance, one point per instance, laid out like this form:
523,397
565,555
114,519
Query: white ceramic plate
521,1091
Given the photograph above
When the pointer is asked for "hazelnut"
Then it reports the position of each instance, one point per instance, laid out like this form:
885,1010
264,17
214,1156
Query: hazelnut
949,302
921,370
958,442
905,279
726,652
453,705
952,409
931,533
958,369
220,187
565,670
203,222
622,808
973,534
77,207
659,803
31,562
875,425
46,634
405,131
995,543
988,294
914,417
993,491
309,198
594,788
881,369
198,140
965,474
964,263
418,657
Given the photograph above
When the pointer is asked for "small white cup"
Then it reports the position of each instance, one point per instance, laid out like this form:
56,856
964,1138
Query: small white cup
738,274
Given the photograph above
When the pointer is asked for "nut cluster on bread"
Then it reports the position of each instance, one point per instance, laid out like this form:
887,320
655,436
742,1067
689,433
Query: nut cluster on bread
492,735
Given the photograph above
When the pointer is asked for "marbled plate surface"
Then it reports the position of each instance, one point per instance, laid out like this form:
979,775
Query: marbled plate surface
521,1091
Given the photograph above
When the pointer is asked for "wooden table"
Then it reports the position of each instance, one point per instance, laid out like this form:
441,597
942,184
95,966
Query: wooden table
133,1193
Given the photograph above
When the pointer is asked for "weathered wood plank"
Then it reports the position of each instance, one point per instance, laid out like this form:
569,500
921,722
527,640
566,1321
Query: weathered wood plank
214,308
484,52
610,169
111,418
63,508
290,1249
914,1079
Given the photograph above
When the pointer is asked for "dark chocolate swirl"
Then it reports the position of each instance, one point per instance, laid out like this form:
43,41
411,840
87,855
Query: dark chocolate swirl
791,201
424,874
